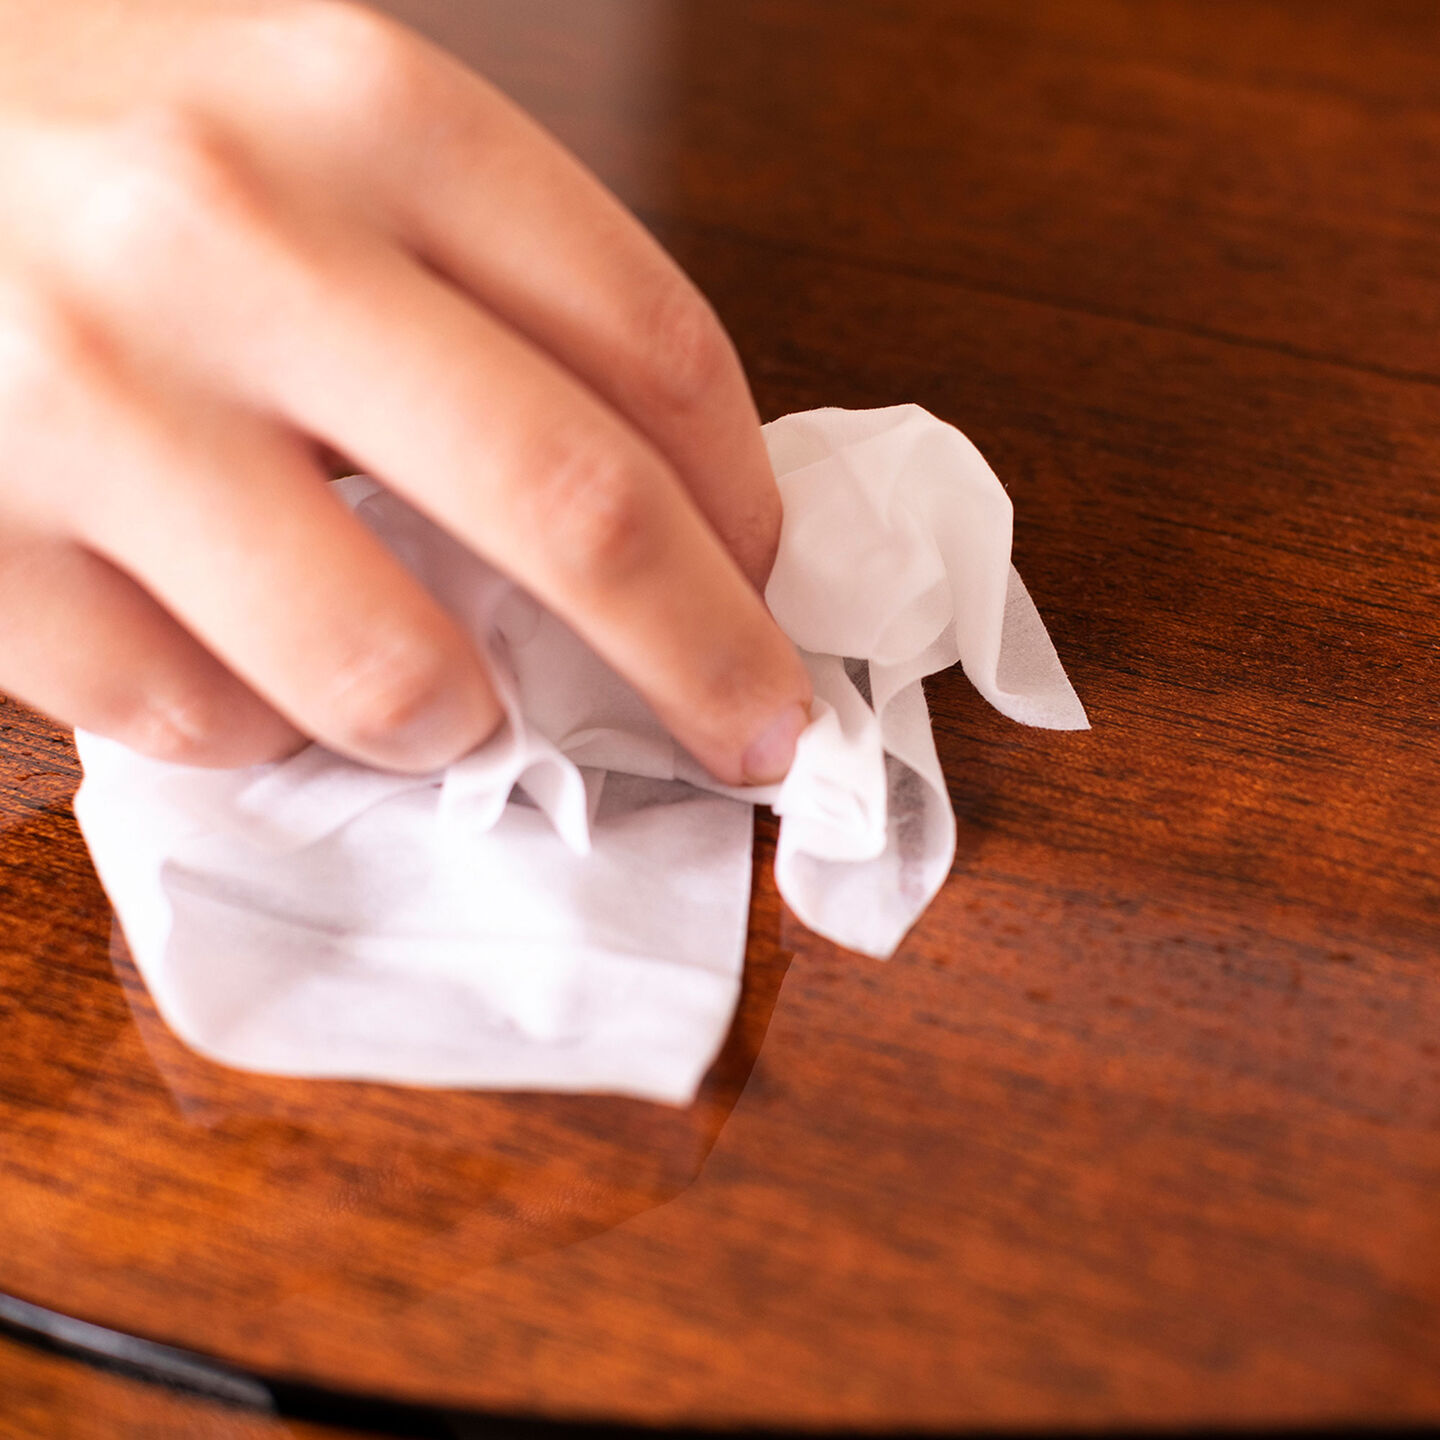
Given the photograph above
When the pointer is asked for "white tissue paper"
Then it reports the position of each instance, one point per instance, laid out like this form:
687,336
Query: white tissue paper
565,908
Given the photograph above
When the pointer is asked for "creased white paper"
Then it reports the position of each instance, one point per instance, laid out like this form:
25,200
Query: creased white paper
565,908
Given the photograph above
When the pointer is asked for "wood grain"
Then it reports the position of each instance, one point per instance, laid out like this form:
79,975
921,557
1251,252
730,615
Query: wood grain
1142,1124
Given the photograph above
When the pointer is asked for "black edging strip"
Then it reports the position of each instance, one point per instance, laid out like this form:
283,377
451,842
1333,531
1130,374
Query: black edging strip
192,1373
199,1375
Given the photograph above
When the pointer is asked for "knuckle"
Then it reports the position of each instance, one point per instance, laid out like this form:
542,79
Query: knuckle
346,50
686,350
589,506
165,181
385,691
170,154
47,352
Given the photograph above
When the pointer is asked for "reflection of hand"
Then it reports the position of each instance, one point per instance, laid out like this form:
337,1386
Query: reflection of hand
238,235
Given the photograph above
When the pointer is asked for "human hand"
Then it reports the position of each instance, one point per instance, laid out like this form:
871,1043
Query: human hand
236,236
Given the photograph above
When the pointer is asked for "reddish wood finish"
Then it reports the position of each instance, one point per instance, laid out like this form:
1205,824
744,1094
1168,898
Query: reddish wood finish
45,1397
1143,1122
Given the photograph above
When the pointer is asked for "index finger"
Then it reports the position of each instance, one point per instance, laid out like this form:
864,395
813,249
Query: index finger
485,196
507,450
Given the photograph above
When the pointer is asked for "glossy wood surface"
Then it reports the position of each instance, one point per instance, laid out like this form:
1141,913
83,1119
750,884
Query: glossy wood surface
49,1397
1142,1124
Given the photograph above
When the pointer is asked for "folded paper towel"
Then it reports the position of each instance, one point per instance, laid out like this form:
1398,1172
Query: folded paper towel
565,908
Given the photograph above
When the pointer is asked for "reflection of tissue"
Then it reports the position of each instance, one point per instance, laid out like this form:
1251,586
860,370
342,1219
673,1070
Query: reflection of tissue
565,908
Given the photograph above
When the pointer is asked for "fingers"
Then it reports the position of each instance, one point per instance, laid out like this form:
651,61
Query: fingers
242,606
560,260
523,463
225,520
578,425
89,647
274,575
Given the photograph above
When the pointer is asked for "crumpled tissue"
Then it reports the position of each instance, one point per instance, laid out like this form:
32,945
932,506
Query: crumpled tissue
565,908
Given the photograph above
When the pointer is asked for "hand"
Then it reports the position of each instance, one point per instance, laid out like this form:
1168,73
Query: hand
239,235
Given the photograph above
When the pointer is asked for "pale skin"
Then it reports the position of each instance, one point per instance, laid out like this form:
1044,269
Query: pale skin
238,237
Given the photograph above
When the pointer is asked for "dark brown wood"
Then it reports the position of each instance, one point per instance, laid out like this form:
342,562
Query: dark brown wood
1142,1124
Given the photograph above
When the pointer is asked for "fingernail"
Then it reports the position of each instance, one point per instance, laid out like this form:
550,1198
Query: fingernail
769,755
